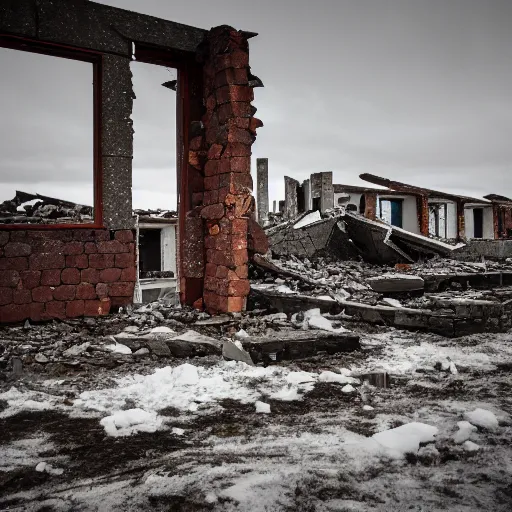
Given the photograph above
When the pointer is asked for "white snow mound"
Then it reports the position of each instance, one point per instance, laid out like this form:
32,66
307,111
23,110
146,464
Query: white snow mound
482,418
406,438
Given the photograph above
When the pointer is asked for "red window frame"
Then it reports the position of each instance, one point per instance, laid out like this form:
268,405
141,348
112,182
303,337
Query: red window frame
84,55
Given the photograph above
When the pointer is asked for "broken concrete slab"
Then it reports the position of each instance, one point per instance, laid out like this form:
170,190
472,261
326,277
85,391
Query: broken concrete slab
396,283
287,345
232,352
158,347
193,344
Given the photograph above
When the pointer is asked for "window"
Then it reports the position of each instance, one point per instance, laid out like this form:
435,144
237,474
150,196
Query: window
48,150
437,219
478,222
391,211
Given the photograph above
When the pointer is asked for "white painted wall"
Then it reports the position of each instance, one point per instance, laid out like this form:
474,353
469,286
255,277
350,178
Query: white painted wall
488,221
168,244
354,198
451,216
409,211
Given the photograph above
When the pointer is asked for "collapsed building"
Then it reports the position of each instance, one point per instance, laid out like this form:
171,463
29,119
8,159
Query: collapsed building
59,262
405,256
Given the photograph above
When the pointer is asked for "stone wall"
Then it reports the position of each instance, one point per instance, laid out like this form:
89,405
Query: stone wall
65,273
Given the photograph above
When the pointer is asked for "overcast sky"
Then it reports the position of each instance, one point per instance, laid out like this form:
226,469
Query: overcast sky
414,90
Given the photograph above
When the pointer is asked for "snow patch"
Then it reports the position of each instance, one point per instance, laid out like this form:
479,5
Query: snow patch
482,418
406,438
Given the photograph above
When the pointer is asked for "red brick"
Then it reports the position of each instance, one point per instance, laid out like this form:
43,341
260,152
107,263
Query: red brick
14,313
213,211
236,134
86,291
129,274
121,289
4,238
6,295
30,278
222,272
50,277
240,257
239,288
73,248
197,199
70,276
234,93
232,110
112,247
91,235
236,59
124,236
235,304
37,312
240,164
102,290
46,260
46,246
196,143
97,307
13,263
90,275
215,151
56,309
213,229
210,197
101,260
238,183
239,225
231,76
257,238
219,257
109,275
22,296
242,271
64,292
125,260
75,308
77,261
18,236
16,249
211,182
90,248
9,278
254,124
223,242
210,270
42,294
236,149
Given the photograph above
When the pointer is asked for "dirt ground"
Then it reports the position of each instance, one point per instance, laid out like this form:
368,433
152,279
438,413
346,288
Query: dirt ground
306,455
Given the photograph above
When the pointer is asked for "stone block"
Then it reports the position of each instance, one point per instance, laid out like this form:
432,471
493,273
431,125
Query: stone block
50,277
22,296
121,289
30,278
101,261
124,236
77,261
73,248
86,291
9,278
50,260
64,292
6,295
90,275
70,276
14,263
97,307
16,249
75,308
56,309
110,275
125,260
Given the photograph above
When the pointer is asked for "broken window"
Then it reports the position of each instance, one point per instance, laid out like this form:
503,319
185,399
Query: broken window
437,219
391,211
47,134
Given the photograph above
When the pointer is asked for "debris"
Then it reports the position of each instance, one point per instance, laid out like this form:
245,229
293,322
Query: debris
464,432
482,418
125,423
119,348
76,350
262,407
395,283
44,467
192,343
336,377
233,352
406,438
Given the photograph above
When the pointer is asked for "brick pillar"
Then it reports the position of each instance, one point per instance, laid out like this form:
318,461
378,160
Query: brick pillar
230,130
370,209
461,221
327,197
422,208
496,212
290,198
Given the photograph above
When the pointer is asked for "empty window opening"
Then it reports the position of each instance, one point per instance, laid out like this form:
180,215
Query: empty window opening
437,220
391,211
154,143
150,251
351,207
316,203
46,138
362,204
478,222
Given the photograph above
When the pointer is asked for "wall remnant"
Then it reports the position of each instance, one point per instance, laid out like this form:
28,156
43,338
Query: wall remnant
291,208
262,181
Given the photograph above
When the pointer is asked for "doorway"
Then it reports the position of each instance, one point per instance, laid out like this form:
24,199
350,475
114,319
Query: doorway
478,222
391,211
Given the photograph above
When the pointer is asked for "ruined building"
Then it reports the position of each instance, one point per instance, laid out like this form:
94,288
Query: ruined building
56,267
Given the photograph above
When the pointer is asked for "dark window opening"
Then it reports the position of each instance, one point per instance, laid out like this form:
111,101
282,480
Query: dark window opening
362,204
317,203
150,251
391,211
351,207
437,219
301,199
478,222
501,222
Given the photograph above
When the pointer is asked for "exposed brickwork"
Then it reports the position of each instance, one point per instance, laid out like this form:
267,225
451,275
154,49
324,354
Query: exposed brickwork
423,217
64,273
370,209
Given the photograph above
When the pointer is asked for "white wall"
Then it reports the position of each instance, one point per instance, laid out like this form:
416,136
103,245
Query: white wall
168,244
409,211
451,216
488,221
355,198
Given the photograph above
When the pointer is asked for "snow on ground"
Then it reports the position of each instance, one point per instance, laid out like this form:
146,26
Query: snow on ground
290,438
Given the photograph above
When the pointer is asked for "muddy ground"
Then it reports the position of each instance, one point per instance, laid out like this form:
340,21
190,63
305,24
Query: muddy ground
304,456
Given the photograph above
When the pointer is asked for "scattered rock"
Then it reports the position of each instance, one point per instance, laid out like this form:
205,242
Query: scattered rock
234,352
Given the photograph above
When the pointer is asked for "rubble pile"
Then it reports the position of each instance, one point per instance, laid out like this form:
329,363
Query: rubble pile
158,213
26,208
